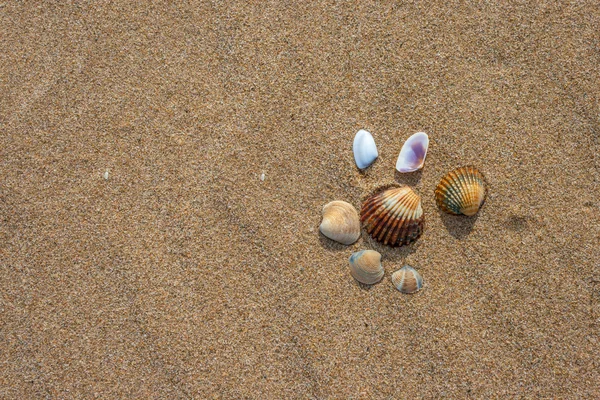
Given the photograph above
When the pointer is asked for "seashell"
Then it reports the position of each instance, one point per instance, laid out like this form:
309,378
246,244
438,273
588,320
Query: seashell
413,153
340,222
365,151
365,266
407,280
393,216
461,191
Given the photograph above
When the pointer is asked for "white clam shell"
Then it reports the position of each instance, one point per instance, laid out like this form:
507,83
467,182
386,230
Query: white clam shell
364,148
413,153
365,266
340,222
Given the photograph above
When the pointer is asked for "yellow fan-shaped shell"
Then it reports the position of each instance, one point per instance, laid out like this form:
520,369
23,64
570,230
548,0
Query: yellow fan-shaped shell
461,191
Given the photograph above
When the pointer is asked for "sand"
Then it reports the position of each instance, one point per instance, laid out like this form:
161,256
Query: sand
184,275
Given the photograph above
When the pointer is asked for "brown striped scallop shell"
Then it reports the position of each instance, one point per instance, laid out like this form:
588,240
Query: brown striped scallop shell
461,191
393,216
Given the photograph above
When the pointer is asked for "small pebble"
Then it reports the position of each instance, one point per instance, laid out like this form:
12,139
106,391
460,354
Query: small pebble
262,176
106,175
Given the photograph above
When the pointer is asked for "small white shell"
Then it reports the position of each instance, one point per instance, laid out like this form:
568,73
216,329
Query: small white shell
407,280
413,153
340,222
365,266
364,148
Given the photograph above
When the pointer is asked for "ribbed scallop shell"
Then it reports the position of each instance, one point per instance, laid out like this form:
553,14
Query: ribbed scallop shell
461,191
407,280
340,222
393,216
365,266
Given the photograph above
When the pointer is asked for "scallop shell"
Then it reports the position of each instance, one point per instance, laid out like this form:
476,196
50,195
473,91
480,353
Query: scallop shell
413,153
407,280
461,191
364,149
340,222
393,216
365,266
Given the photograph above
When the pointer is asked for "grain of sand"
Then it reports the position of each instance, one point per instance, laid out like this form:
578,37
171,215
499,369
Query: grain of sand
184,275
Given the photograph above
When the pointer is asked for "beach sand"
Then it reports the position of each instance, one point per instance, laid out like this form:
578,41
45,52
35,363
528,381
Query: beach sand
184,275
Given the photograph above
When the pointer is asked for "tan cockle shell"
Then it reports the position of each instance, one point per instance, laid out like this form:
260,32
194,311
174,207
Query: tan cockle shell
461,191
365,266
407,280
393,216
340,222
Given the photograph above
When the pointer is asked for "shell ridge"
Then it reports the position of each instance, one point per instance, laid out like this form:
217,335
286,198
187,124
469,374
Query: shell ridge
399,227
454,194
464,191
404,228
471,196
394,213
368,216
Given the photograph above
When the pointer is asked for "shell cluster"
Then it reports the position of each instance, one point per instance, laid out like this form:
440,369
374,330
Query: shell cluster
340,222
394,216
461,191
365,266
407,280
